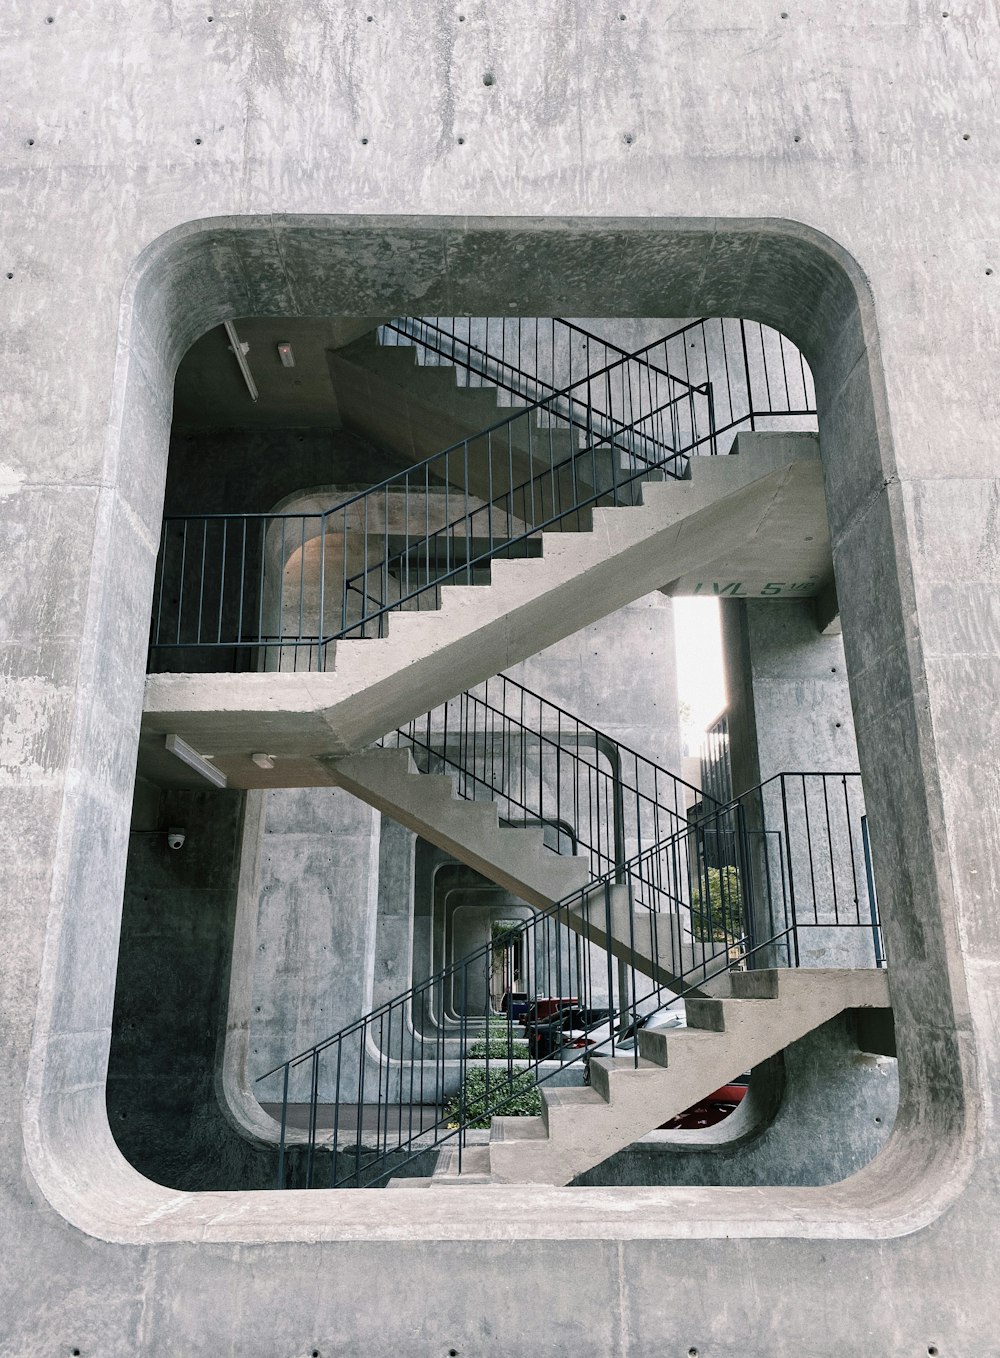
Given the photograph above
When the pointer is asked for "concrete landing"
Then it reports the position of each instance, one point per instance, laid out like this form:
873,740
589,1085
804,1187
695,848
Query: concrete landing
729,505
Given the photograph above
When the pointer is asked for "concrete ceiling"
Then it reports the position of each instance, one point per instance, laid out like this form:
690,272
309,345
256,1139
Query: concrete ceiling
209,391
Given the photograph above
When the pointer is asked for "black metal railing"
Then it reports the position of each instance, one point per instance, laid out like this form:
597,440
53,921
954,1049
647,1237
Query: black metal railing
716,767
274,591
757,377
277,589
447,1053
531,359
543,765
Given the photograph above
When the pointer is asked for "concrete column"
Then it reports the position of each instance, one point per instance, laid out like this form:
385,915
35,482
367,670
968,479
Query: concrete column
789,705
315,923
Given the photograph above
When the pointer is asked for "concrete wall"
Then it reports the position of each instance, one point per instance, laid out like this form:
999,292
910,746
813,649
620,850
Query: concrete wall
171,998
867,239
789,711
315,931
251,471
789,700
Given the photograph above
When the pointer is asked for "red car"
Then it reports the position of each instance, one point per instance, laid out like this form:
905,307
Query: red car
710,1110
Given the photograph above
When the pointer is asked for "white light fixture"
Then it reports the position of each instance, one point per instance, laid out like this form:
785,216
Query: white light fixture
263,761
240,349
286,355
188,755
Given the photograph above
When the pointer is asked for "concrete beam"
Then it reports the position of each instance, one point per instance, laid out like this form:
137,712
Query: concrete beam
729,506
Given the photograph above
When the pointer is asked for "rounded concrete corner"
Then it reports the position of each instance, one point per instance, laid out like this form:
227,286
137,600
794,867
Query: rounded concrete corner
196,274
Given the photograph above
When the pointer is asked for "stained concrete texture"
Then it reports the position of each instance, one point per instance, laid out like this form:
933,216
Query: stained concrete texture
170,1000
163,173
318,891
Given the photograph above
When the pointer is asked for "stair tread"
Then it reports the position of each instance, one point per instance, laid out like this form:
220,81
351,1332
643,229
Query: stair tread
504,1129
572,1096
617,1064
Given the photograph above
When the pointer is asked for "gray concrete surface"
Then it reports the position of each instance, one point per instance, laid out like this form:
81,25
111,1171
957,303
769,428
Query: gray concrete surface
164,172
725,1035
789,701
817,1113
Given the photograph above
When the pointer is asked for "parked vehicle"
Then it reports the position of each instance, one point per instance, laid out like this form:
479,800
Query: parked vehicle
716,1108
551,1032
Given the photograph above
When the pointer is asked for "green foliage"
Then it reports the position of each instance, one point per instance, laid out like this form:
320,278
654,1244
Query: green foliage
496,1048
495,1096
505,931
721,916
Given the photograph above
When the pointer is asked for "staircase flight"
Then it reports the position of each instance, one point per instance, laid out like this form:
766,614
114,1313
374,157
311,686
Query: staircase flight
763,1012
488,621
664,927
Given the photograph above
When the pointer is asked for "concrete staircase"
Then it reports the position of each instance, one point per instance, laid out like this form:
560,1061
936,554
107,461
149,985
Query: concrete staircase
518,860
418,409
645,939
764,1012
515,859
752,504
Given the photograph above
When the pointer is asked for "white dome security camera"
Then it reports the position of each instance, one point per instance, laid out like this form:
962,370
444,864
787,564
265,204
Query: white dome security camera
175,837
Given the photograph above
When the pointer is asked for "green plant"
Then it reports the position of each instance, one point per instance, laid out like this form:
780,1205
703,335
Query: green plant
494,1093
719,915
497,1049
505,931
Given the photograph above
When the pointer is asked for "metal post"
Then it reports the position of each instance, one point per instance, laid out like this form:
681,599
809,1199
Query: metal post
872,898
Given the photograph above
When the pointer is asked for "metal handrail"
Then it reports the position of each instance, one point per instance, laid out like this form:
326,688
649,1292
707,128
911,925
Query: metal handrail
452,532
514,510
793,860
434,338
542,763
492,366
240,583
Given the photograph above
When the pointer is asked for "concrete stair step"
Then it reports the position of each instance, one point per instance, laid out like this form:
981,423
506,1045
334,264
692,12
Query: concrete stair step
654,1046
678,1067
475,1164
420,409
515,858
607,1071
429,656
517,1129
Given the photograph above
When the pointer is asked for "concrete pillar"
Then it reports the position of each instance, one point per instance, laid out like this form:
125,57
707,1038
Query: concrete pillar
790,711
789,705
